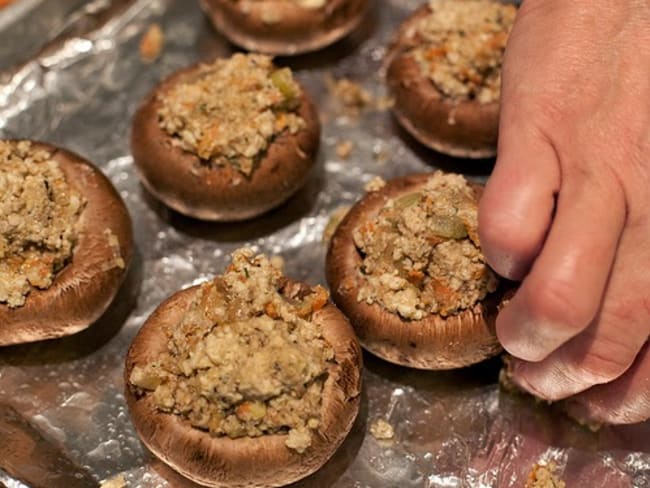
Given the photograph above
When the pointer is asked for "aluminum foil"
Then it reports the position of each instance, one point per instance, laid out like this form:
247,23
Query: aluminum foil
452,429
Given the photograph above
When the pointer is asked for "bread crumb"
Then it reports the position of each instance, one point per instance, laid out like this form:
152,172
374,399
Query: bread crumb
350,95
151,43
335,219
375,184
384,102
543,476
382,430
298,440
277,262
344,149
117,481
505,375
114,244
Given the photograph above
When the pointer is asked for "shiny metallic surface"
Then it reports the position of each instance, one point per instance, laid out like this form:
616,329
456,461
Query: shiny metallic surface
453,429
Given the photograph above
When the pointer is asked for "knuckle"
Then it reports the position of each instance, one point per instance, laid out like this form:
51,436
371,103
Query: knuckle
504,230
550,111
556,302
629,311
632,408
635,408
606,359
601,368
637,412
508,248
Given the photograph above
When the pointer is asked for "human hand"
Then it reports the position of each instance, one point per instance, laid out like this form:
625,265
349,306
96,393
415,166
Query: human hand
567,208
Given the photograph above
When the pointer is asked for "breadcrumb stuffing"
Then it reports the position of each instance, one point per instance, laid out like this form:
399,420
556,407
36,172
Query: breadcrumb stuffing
117,481
38,215
246,359
460,46
352,98
344,149
114,244
543,476
382,430
151,43
231,111
375,184
421,253
349,95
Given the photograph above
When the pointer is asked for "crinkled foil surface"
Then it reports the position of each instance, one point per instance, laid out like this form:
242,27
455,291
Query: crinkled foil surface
453,429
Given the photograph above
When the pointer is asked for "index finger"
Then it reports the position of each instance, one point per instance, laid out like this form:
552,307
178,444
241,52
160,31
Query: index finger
562,293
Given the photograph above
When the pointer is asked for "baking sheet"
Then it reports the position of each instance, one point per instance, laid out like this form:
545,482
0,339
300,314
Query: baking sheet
453,429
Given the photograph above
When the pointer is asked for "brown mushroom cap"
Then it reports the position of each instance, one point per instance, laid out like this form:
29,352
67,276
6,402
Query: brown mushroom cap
465,128
244,462
84,288
298,29
430,343
183,182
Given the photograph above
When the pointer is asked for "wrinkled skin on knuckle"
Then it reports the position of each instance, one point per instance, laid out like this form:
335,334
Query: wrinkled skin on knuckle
555,381
631,309
633,413
623,401
553,301
605,361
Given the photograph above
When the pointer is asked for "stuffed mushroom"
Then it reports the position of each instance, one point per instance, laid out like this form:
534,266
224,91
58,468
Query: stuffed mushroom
65,242
444,72
250,379
226,141
285,27
405,266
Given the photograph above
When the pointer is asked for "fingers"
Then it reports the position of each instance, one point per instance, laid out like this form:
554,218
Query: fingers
517,205
599,355
625,401
561,295
609,346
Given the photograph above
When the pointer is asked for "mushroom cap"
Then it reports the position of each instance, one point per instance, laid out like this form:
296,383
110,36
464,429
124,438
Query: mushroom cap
84,288
463,128
434,342
298,29
220,193
244,462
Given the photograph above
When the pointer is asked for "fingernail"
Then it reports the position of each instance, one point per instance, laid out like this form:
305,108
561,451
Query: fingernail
529,342
506,265
525,338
